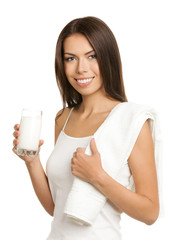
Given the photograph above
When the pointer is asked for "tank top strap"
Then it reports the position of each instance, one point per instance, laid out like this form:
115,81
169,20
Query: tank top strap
67,118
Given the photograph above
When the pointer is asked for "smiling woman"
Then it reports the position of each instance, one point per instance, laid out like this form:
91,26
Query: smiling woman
88,43
97,133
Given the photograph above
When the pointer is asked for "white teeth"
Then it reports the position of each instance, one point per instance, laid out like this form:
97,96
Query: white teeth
85,80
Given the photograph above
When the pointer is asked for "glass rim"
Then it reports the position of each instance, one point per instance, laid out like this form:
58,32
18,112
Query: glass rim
32,110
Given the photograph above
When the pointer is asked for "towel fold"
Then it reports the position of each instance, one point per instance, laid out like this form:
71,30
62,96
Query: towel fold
115,139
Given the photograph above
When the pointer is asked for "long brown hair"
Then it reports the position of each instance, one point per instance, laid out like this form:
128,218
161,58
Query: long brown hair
104,43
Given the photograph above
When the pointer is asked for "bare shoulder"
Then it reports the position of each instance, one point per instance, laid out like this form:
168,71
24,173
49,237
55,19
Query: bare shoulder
60,119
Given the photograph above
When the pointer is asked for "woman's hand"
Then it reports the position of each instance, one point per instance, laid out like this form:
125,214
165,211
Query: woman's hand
16,134
88,168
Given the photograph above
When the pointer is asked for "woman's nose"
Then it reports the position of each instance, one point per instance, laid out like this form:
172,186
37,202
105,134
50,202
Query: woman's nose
82,66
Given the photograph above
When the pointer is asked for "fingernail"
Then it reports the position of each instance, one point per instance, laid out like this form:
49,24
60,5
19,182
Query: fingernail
93,139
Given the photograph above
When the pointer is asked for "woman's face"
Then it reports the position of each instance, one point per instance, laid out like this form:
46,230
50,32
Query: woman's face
81,66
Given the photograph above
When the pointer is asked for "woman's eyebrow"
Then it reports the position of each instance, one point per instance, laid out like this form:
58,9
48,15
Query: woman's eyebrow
84,54
89,52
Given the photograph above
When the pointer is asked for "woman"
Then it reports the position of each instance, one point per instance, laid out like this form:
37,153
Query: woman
89,76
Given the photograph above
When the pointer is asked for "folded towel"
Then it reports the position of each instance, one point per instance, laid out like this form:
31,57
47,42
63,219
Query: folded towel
115,139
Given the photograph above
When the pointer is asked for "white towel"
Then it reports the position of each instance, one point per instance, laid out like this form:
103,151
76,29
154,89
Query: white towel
115,139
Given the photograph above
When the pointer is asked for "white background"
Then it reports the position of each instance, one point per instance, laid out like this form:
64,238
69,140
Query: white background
29,31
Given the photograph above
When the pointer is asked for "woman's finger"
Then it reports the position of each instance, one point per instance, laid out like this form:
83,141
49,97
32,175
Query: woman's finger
16,134
72,161
15,142
16,126
79,149
41,143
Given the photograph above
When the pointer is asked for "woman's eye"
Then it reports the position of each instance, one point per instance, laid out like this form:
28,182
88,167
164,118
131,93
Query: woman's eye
92,56
69,59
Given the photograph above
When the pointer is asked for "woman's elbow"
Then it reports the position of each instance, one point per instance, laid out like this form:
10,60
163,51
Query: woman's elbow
153,216
51,213
50,210
151,221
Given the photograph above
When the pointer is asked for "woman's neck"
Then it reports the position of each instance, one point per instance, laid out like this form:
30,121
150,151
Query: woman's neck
92,104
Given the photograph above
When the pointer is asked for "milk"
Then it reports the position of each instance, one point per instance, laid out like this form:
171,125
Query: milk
30,128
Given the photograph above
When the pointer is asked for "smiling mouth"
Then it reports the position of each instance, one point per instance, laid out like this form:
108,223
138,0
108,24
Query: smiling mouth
84,80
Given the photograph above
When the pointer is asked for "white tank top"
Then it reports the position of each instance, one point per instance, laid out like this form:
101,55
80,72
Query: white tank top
107,224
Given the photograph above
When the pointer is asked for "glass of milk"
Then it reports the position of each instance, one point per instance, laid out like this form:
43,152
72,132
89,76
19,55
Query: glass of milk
30,129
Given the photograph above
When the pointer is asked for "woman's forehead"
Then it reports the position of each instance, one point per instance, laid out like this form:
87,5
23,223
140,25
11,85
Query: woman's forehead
77,42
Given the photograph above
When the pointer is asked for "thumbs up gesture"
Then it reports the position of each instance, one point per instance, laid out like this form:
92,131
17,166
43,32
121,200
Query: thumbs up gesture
88,168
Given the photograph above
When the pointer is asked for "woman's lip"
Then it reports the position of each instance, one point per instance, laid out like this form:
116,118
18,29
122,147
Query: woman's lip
84,84
83,78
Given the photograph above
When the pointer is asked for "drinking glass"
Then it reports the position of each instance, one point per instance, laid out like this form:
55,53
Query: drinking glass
30,129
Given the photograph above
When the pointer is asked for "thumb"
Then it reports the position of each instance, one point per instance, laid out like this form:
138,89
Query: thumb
93,146
41,143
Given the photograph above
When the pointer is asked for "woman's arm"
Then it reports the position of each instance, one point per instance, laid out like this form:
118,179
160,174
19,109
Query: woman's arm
40,184
38,177
143,204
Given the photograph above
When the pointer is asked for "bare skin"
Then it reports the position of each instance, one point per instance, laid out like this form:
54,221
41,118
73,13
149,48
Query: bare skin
143,204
